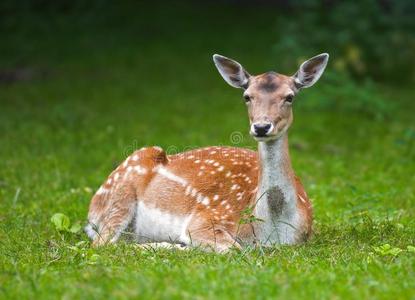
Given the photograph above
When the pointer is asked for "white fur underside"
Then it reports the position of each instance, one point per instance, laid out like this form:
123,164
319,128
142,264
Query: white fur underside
154,225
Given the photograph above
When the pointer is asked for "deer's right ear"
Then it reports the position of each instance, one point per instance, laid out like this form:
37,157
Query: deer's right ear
231,71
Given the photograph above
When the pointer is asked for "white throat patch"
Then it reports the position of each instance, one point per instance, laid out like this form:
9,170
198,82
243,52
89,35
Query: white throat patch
276,196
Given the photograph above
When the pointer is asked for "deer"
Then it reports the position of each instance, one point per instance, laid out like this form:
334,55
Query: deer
203,197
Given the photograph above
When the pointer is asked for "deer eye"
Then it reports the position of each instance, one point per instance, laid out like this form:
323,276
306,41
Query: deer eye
247,98
289,99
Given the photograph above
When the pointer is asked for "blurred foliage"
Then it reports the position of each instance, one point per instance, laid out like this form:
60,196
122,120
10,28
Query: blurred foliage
365,38
369,40
343,94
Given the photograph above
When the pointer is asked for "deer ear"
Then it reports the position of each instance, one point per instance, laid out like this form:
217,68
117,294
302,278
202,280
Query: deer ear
311,70
231,71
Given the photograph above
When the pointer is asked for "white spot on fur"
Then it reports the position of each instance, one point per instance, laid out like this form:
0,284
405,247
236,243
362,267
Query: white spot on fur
235,187
199,198
128,171
188,190
205,201
140,170
239,196
125,164
228,222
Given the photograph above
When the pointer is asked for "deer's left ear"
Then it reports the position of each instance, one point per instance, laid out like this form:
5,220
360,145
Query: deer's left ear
311,70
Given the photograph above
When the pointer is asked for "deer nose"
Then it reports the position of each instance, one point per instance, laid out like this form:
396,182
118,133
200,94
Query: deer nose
262,129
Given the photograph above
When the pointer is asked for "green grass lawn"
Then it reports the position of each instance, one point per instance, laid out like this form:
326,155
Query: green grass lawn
103,85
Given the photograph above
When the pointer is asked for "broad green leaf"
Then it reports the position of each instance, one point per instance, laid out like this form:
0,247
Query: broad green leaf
61,222
75,228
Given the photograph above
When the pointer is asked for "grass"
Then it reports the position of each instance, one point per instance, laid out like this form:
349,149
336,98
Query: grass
103,84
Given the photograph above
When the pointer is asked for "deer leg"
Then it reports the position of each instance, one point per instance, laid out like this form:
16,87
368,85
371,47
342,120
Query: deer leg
114,205
109,216
214,238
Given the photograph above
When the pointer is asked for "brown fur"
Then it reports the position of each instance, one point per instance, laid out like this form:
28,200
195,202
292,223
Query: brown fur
217,225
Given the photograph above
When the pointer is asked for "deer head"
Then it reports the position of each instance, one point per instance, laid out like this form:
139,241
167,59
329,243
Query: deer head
269,96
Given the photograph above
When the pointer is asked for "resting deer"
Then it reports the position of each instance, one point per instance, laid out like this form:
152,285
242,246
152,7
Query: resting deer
203,197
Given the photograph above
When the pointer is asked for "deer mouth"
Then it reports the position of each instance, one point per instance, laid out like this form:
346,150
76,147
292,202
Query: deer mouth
264,138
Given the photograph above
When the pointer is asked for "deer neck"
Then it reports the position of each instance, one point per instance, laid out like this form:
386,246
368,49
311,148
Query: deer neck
276,196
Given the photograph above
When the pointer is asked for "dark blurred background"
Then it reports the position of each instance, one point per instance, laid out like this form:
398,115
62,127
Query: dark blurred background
368,38
369,41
